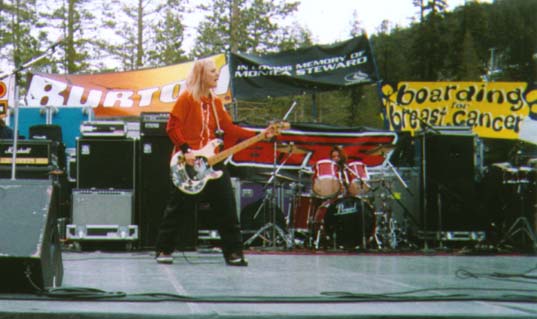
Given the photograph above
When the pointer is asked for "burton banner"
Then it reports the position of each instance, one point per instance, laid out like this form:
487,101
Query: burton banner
316,68
506,110
120,93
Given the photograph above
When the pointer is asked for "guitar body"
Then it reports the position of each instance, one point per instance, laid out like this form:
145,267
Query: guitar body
192,179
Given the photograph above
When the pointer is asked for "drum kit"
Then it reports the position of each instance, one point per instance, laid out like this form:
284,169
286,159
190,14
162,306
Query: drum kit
332,206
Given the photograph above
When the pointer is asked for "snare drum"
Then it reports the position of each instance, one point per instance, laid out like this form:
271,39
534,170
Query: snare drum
357,176
326,179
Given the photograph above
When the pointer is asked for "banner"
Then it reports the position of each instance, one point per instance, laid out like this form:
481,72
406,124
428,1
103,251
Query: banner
7,94
316,68
312,145
506,110
121,93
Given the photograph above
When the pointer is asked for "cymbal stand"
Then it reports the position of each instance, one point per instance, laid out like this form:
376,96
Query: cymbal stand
383,219
271,198
272,225
387,229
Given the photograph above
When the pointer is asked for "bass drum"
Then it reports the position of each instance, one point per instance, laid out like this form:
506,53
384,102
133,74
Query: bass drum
345,222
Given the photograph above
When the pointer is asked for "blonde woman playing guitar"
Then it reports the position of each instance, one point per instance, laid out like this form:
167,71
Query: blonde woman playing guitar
195,122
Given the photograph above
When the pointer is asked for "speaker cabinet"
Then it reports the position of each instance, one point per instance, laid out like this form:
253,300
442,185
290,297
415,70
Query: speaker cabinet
154,186
448,187
30,254
106,162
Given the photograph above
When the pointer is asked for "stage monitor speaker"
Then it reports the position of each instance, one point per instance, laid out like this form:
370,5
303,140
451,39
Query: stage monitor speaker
154,185
106,162
30,255
450,184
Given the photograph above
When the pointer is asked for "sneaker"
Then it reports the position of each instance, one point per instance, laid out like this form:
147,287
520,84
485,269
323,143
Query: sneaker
163,258
236,259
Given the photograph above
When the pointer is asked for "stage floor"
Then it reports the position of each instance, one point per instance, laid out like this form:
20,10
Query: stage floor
284,284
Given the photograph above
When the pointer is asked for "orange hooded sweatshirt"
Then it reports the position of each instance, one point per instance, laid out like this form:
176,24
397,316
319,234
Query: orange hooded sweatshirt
192,124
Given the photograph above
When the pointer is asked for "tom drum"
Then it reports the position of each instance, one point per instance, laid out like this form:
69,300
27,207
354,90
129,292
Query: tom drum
326,179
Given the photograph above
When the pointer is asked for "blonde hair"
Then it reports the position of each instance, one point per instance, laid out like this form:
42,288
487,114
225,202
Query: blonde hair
195,81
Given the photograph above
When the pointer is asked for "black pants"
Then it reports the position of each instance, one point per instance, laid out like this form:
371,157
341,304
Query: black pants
219,194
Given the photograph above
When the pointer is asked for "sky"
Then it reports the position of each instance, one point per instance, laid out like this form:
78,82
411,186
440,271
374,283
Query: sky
329,20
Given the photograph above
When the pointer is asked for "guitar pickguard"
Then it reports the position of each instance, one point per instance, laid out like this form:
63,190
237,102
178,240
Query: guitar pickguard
192,179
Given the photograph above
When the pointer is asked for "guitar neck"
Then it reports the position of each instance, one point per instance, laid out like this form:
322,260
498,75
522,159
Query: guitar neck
217,158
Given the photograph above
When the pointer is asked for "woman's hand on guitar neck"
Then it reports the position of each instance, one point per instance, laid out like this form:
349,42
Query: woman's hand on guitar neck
269,132
274,129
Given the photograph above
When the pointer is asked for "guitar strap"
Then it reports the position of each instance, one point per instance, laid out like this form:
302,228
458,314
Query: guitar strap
219,133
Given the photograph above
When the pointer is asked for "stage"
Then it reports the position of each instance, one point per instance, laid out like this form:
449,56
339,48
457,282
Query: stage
287,284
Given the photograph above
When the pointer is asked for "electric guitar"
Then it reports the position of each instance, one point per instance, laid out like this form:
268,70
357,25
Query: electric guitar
191,179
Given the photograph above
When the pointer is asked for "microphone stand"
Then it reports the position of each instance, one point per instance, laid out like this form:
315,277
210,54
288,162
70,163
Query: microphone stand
16,106
425,129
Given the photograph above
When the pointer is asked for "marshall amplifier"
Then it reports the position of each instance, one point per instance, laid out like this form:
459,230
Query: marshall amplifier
35,158
154,124
104,129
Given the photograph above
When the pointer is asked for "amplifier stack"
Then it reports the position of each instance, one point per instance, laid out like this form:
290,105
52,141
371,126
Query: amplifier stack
103,203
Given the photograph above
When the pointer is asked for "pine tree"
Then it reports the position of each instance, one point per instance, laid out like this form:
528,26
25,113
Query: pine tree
72,20
141,32
21,40
250,26
169,34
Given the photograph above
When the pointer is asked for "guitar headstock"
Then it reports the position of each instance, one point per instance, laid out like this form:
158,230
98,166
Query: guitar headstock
277,127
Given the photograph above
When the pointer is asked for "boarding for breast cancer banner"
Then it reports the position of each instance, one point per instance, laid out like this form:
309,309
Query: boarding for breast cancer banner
120,93
505,110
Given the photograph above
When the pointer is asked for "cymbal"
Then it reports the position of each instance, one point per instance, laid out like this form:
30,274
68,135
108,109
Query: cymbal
381,149
279,176
307,171
291,149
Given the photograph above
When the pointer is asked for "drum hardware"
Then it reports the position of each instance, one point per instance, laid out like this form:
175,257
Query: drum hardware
278,176
270,198
519,179
385,233
402,230
291,148
381,150
276,230
388,232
